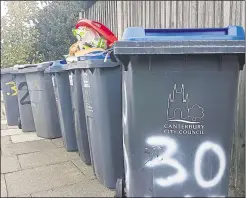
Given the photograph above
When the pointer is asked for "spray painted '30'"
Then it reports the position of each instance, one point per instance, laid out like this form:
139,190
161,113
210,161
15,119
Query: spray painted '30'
180,176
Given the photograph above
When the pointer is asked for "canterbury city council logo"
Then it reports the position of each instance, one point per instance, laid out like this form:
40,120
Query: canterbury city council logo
179,109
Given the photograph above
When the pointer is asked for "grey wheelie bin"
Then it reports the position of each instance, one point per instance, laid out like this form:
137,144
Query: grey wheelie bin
179,94
101,85
25,109
43,101
9,91
79,113
64,105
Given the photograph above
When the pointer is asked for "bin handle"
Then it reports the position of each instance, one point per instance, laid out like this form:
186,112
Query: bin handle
107,52
185,30
230,31
110,53
26,66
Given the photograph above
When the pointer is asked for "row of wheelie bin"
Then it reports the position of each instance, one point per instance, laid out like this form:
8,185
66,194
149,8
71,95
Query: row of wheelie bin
155,118
50,101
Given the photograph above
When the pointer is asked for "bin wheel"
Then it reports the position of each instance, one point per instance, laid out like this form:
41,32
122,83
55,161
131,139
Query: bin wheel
19,123
119,188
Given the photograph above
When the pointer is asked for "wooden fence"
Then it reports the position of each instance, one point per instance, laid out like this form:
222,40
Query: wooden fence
117,15
237,178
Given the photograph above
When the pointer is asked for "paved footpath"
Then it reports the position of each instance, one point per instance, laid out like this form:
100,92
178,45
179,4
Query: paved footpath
37,167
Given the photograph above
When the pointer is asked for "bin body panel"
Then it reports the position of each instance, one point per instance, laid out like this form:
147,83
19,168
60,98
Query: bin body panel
9,91
102,98
79,116
88,109
178,121
43,104
64,105
25,108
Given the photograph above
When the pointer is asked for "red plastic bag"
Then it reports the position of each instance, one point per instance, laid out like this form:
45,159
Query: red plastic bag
100,28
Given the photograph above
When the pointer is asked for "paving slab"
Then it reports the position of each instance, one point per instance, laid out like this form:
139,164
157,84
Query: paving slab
3,112
3,187
46,158
42,178
85,169
4,124
24,195
27,147
91,188
13,127
3,115
9,164
58,142
8,132
5,140
25,137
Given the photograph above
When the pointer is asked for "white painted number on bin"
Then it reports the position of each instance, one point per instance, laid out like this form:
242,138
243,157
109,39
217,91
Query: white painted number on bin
71,79
203,148
53,80
166,158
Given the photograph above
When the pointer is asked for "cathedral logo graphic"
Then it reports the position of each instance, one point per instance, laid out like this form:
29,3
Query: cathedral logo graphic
179,108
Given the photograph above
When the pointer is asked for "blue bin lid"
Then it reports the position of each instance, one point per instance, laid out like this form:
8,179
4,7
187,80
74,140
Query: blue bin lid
56,66
140,41
141,34
44,65
93,56
92,61
59,63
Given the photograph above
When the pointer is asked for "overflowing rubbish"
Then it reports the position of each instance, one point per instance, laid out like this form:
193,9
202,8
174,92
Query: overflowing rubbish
92,37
